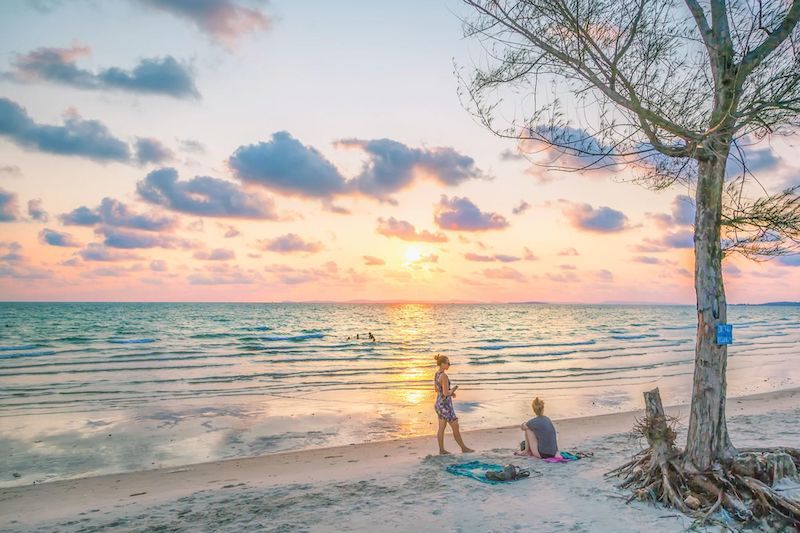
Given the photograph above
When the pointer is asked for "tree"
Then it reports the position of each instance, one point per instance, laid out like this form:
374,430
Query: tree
678,91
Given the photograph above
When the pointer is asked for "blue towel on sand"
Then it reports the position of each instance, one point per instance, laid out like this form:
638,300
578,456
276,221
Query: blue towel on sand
475,470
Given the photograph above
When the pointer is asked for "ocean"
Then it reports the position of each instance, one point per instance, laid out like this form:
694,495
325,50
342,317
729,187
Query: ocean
92,388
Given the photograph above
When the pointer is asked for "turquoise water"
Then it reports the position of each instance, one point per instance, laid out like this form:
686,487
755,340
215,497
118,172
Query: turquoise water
163,384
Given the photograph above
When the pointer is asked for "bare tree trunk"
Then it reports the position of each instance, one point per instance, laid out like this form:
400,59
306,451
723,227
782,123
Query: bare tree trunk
708,439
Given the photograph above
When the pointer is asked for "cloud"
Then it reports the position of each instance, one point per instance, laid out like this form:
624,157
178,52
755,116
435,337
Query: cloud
191,146
503,258
373,261
152,151
122,238
11,171
578,150
10,252
568,252
230,231
529,256
604,275
98,252
36,211
232,276
290,243
599,220
284,164
224,20
57,238
158,265
504,273
789,260
9,210
165,76
680,239
460,214
114,213
564,277
24,272
521,207
218,254
204,195
682,213
77,137
393,166
329,271
407,232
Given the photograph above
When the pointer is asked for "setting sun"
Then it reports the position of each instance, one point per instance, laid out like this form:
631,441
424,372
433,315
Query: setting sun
412,255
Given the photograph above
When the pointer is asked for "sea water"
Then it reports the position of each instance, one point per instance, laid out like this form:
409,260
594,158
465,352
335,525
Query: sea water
90,388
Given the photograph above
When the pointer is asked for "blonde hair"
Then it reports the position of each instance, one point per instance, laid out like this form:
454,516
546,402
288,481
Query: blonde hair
538,406
441,360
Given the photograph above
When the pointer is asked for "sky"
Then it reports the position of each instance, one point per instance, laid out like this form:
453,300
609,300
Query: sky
164,150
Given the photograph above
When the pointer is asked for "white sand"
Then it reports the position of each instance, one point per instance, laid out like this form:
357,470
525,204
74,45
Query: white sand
385,486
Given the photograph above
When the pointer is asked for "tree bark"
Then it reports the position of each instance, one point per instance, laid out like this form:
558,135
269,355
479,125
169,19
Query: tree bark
707,439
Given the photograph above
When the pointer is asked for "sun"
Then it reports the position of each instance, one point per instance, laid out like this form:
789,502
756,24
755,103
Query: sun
412,255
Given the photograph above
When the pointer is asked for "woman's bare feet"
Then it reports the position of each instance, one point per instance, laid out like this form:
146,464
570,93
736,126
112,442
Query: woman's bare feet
444,452
467,450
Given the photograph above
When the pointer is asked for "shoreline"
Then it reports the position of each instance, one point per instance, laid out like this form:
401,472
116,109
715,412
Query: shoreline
110,494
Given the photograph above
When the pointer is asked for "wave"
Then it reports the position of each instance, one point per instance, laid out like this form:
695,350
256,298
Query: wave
293,337
256,328
17,348
634,337
26,354
534,345
131,341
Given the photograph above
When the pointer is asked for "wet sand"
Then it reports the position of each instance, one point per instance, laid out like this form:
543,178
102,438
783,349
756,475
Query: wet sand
397,485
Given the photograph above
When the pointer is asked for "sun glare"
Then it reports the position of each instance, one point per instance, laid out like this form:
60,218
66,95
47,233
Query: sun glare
412,254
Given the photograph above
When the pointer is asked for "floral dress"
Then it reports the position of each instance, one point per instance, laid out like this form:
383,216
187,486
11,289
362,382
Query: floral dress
444,404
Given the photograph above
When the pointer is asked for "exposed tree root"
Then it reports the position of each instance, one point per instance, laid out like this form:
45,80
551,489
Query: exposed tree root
745,488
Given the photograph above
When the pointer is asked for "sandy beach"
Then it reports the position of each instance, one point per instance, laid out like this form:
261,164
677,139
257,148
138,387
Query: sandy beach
397,484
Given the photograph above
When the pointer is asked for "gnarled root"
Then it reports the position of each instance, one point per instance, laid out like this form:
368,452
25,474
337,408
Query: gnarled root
744,487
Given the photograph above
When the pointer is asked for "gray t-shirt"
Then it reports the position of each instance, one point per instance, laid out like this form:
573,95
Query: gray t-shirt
545,433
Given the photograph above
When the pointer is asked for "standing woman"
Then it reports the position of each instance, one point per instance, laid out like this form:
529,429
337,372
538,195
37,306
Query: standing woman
444,405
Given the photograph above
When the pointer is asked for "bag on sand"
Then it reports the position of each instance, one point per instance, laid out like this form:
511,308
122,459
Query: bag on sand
509,473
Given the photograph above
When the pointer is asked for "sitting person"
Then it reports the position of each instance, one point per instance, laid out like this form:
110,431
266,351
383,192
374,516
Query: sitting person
540,434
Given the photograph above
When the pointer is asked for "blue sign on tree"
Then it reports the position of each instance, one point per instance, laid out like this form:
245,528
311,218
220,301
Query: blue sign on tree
724,334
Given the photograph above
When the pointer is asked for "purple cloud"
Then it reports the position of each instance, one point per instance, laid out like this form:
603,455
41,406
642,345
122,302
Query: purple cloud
9,210
114,213
224,20
36,211
152,151
77,137
11,252
406,231
158,265
286,165
122,238
680,239
204,196
502,258
521,207
57,238
460,214
599,220
218,254
392,166
290,243
789,260
164,76
98,252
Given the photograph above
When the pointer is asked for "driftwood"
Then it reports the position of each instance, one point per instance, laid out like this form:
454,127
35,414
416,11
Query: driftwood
744,488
